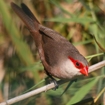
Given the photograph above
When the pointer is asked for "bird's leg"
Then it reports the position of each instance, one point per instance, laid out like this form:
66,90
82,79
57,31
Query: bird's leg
52,80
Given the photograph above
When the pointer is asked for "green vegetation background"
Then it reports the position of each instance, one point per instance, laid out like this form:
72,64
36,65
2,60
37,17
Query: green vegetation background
20,66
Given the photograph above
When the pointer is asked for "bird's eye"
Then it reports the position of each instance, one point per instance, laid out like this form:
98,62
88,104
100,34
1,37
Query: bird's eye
77,64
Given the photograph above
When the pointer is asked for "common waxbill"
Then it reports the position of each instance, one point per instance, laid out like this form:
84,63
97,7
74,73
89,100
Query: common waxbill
58,56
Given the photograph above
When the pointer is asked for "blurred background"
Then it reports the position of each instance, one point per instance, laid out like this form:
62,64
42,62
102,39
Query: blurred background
20,66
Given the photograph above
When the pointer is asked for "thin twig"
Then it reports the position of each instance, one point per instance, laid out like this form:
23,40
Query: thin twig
48,87
102,91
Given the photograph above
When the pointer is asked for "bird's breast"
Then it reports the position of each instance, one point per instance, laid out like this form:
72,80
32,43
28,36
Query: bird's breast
65,70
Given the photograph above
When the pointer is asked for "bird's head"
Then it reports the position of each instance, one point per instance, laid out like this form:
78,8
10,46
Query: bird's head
82,67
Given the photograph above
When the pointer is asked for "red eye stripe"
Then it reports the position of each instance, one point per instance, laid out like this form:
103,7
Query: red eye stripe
77,64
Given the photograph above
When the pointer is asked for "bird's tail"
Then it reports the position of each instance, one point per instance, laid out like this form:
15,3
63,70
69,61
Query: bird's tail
30,21
33,25
26,15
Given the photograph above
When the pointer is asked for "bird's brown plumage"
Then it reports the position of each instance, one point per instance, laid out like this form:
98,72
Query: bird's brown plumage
53,48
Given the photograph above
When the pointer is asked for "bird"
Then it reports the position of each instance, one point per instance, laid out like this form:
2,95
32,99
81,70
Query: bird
59,57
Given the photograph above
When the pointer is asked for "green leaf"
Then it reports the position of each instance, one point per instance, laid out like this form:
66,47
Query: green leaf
79,95
94,55
57,4
82,20
21,47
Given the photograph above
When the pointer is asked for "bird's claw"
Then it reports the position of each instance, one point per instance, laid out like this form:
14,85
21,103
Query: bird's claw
55,83
50,80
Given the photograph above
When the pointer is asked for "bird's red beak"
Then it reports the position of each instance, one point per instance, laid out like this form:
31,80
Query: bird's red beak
84,71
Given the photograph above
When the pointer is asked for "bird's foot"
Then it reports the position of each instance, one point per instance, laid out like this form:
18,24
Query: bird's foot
55,83
50,80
